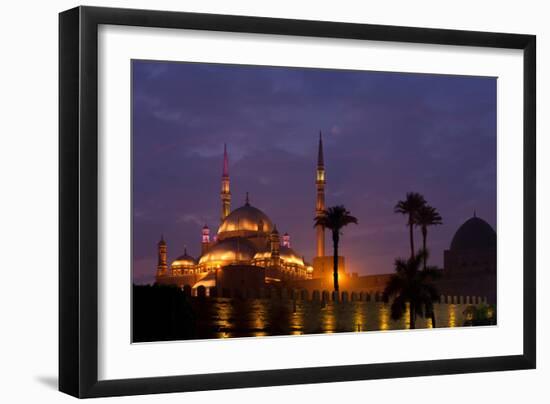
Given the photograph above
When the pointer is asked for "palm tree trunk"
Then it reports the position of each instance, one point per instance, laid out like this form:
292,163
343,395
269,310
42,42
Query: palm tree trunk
411,236
335,241
411,316
424,237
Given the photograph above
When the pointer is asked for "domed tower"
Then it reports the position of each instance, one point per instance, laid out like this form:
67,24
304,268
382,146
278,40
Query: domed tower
472,257
162,265
473,248
183,263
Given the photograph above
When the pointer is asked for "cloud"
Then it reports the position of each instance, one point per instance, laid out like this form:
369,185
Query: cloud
194,219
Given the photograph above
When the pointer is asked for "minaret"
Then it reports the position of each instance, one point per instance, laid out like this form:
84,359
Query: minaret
275,245
162,266
205,242
225,193
320,204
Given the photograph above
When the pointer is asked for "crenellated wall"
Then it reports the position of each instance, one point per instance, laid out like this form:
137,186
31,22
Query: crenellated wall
278,311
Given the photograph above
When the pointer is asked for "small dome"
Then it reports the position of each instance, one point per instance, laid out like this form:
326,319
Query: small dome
287,254
184,260
247,218
290,256
474,234
228,251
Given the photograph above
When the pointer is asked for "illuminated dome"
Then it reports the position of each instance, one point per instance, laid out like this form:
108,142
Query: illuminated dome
184,260
474,234
246,218
287,254
229,251
290,256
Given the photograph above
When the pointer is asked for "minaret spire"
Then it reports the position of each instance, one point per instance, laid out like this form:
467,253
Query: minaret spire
320,203
225,193
225,172
320,159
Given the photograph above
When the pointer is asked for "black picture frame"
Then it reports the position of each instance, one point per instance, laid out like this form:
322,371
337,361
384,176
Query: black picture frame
78,201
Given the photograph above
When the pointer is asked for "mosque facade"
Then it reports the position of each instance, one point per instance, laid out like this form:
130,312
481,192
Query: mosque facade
247,247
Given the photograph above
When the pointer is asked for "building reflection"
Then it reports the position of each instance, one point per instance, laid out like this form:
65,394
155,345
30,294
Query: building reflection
230,317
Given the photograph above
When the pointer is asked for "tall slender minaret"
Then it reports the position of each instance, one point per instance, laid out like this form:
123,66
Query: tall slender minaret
162,265
225,193
320,204
275,244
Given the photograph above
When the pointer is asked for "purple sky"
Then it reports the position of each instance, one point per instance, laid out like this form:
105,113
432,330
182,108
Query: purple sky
384,134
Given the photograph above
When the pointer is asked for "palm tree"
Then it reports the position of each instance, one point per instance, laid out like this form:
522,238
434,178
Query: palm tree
410,206
411,285
335,218
427,216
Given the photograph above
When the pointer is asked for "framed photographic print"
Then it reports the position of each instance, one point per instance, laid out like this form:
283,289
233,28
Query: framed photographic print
251,201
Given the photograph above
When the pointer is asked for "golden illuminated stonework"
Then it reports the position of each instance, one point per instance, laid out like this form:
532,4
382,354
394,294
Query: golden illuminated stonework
246,238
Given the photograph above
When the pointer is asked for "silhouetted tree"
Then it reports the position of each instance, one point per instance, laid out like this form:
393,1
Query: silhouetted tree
426,216
335,218
411,285
410,207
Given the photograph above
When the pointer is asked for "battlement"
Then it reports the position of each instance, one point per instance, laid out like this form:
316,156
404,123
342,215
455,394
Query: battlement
315,295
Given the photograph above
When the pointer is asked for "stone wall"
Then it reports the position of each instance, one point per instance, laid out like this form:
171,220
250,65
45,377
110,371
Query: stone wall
291,312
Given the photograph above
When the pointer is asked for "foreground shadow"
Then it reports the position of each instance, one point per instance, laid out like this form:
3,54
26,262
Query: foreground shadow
48,381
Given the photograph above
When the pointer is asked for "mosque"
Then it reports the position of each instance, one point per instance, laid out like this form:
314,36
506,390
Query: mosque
247,250
247,253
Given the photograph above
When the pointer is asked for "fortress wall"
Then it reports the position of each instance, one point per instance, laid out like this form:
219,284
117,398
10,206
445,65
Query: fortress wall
294,311
318,295
481,285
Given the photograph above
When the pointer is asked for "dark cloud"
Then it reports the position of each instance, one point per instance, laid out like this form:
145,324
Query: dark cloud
385,134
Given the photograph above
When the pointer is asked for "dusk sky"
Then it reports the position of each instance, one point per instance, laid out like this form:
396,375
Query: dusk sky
384,134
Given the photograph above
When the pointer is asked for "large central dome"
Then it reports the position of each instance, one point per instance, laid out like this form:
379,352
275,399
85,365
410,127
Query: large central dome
228,251
246,218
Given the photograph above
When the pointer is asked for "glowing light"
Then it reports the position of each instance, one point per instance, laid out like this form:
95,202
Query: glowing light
320,175
358,317
452,315
328,319
408,317
225,314
384,311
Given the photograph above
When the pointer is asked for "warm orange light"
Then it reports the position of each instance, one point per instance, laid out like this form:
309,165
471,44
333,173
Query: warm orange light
452,315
